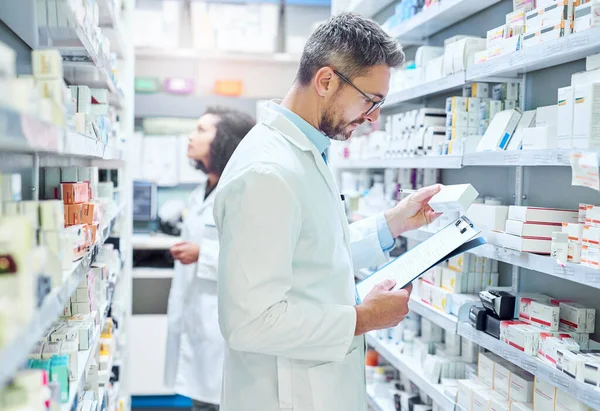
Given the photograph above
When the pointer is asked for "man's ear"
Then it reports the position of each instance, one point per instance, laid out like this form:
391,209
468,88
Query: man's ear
324,82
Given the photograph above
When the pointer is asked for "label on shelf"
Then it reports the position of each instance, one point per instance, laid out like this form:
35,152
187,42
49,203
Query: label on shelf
592,277
529,365
560,380
552,48
577,41
564,271
516,57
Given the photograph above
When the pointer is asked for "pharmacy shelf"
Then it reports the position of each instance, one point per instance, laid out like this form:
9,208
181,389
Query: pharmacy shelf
83,64
13,355
544,264
417,29
556,158
439,162
153,241
84,359
207,56
24,133
573,47
520,158
445,84
369,8
446,321
584,392
111,26
412,368
379,404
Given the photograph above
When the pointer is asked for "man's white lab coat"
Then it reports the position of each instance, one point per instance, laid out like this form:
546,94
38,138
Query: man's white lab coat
286,286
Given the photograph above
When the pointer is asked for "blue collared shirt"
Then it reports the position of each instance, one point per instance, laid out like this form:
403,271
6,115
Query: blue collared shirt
322,142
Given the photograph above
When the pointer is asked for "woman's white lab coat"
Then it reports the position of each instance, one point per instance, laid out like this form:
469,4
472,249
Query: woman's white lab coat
286,286
195,347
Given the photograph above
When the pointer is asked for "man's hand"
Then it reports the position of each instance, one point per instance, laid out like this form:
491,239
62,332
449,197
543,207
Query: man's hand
186,252
382,307
413,212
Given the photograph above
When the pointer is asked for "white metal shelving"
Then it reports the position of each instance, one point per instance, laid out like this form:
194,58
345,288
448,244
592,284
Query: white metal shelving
379,404
232,57
83,64
544,264
436,18
554,157
445,84
17,351
153,241
520,158
447,321
84,359
412,368
573,47
581,391
403,162
369,8
24,133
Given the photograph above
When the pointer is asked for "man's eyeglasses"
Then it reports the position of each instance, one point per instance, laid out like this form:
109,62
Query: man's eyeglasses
376,104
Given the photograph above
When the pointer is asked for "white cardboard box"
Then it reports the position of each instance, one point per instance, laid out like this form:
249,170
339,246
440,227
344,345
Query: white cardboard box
538,214
487,368
483,398
525,229
502,378
466,388
521,386
578,318
451,198
499,405
546,116
526,245
521,406
524,303
544,395
566,402
453,281
590,235
544,315
488,217
586,117
523,337
564,131
527,121
499,132
539,138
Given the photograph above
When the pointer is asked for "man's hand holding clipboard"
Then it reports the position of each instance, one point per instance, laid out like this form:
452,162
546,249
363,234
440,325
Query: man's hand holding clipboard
386,306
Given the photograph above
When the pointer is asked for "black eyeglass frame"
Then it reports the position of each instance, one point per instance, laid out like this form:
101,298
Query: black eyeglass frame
376,104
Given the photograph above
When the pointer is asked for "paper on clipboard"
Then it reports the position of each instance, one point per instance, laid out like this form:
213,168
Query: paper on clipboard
454,239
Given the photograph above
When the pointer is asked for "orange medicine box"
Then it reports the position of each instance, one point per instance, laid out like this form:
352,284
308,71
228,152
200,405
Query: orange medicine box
75,214
94,227
88,213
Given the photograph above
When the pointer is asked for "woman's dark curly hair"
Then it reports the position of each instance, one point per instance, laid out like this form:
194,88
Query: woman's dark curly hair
232,126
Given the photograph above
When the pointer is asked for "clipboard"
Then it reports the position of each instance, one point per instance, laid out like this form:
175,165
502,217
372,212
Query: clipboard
454,239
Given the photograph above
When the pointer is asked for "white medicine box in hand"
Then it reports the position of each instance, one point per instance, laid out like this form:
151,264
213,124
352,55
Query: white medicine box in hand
453,198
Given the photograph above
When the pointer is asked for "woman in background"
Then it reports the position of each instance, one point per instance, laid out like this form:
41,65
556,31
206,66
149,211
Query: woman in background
195,347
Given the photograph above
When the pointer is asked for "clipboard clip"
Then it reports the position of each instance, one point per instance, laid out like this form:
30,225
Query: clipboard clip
463,219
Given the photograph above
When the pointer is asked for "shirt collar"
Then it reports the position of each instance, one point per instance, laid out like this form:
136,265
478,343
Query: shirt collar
320,140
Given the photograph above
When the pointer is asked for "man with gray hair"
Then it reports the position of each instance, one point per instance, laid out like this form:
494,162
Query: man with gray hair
287,302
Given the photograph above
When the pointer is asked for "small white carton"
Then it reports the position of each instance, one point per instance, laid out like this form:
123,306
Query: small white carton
453,198
544,316
544,395
521,386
